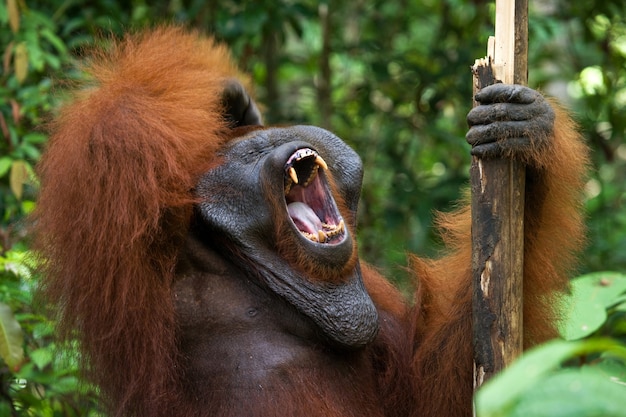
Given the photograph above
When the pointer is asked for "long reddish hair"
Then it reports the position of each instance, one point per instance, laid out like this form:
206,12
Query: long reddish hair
115,203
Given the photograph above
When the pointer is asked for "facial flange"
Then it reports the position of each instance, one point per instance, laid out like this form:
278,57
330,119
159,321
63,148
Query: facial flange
274,208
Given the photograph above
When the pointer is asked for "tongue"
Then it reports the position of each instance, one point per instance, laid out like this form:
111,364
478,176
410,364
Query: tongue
303,216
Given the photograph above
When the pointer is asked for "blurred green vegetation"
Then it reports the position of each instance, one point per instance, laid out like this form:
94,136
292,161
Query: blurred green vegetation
390,77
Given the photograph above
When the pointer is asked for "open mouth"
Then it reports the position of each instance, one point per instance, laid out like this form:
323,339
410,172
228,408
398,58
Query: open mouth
310,203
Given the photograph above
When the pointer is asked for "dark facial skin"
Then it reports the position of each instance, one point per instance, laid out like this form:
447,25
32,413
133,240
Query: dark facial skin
245,208
280,298
270,265
275,225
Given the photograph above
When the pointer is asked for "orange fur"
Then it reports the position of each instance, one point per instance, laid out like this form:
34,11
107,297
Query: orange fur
116,197
385,295
554,232
114,212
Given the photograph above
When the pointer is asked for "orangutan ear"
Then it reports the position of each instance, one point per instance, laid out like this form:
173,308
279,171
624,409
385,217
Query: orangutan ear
240,109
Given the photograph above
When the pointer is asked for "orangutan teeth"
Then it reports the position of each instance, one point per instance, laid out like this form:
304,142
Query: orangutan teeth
310,204
319,161
293,175
325,236
304,163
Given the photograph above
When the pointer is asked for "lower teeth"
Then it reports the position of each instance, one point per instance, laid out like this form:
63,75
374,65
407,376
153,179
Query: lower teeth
323,236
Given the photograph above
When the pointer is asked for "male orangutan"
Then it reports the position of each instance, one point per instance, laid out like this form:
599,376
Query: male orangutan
208,264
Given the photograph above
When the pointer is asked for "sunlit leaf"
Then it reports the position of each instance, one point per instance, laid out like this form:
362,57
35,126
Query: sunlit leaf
500,395
591,295
41,357
573,393
5,165
620,304
583,318
21,62
11,337
18,177
68,384
20,263
612,368
35,137
14,15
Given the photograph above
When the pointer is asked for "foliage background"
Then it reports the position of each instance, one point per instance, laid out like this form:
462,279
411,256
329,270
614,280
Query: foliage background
390,77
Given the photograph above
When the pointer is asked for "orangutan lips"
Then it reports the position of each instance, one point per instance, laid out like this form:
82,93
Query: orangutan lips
310,204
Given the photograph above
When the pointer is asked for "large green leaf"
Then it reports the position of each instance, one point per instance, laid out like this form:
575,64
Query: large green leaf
573,393
585,309
500,395
11,337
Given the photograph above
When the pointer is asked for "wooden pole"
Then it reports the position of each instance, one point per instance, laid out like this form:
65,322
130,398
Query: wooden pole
497,187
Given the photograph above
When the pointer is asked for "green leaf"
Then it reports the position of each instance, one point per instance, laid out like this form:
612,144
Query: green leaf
620,303
35,137
41,357
21,62
20,263
501,394
30,151
5,164
18,177
573,393
591,295
67,385
56,42
616,323
612,368
604,287
14,15
583,319
11,337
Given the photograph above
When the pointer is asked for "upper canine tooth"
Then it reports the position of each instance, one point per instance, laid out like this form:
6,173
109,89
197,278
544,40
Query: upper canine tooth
293,175
319,161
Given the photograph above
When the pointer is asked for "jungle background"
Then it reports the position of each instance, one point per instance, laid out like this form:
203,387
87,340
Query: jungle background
392,78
